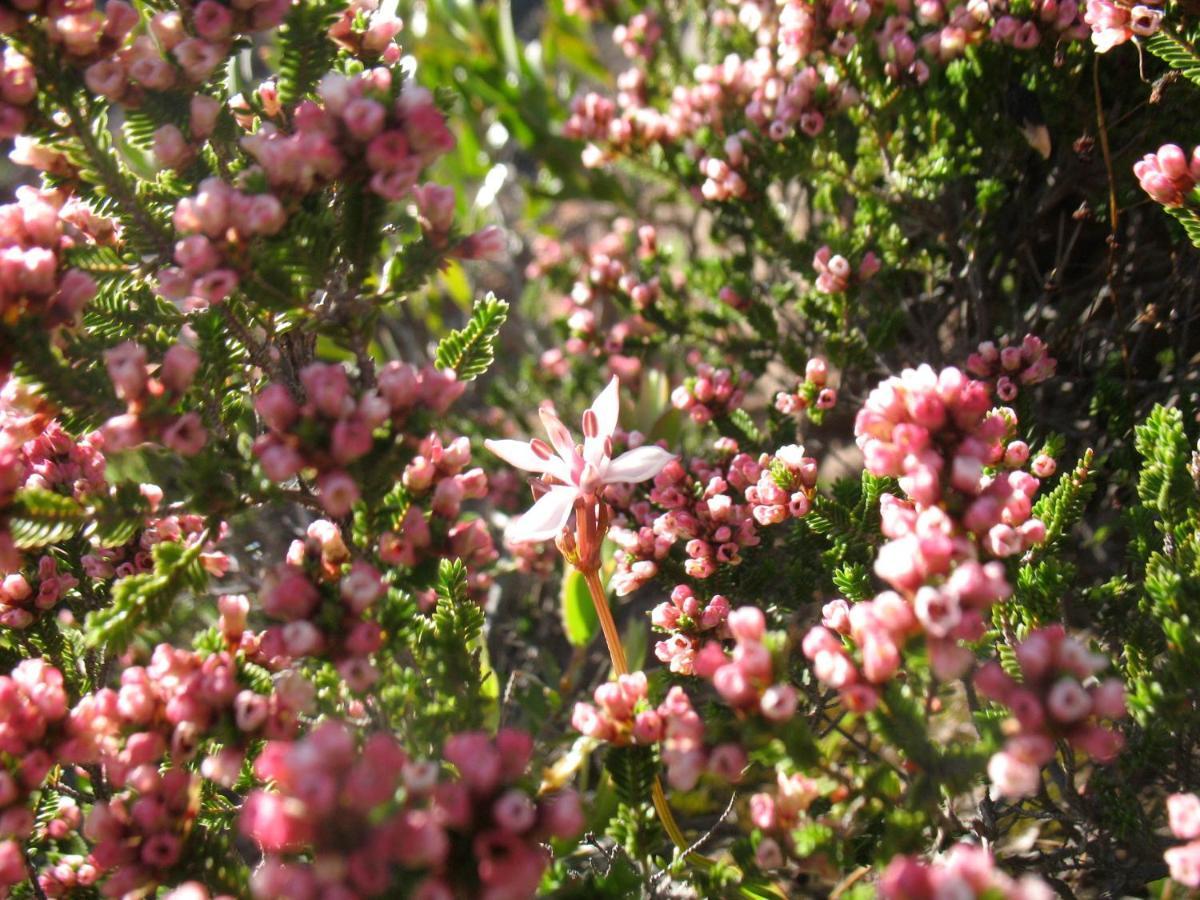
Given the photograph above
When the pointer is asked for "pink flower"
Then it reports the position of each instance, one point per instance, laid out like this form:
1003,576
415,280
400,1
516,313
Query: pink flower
1183,813
1013,777
1184,862
578,472
126,364
486,244
187,435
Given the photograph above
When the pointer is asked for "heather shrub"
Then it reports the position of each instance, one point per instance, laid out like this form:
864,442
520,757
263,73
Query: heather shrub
732,449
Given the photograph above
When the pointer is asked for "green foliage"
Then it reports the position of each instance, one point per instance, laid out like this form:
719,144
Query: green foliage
1176,52
743,428
580,622
1062,507
41,517
448,654
145,598
1153,611
469,351
632,769
305,51
849,518
1165,484
853,581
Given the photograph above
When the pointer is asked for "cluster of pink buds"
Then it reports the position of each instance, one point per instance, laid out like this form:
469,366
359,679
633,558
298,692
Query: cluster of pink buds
773,89
880,627
69,872
173,705
638,37
138,834
1183,815
622,714
710,393
1114,22
790,83
18,88
1057,698
815,392
722,180
33,704
22,601
438,476
684,752
20,422
934,432
746,680
966,871
780,812
332,429
324,606
614,273
154,60
696,506
38,453
1168,176
214,226
151,402
1011,367
591,116
196,55
77,28
687,618
1059,19
136,557
367,31
332,826
785,486
34,282
835,275
363,123
55,461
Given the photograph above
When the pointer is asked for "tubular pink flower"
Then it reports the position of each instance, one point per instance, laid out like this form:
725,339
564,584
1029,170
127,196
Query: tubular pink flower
578,471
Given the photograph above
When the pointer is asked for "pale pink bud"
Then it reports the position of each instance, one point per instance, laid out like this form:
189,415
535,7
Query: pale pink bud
1108,699
778,702
186,435
202,115
1183,812
338,492
1012,777
126,364
747,623
212,21
1068,701
514,811
179,367
171,150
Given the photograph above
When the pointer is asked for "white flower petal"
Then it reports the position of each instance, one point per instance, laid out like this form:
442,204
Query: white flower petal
606,408
517,453
559,436
637,465
558,467
545,518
